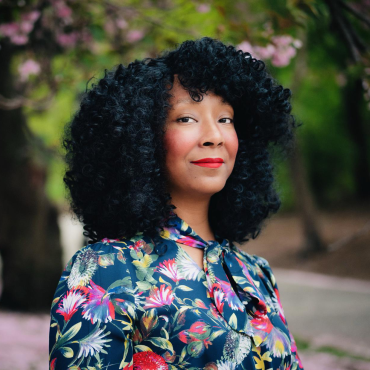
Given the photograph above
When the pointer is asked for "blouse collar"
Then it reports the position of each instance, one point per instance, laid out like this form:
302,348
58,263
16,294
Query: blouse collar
178,230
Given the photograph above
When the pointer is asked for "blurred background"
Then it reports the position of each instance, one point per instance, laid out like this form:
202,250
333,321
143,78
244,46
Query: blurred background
318,244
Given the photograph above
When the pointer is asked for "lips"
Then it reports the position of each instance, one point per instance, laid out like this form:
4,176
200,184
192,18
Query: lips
209,160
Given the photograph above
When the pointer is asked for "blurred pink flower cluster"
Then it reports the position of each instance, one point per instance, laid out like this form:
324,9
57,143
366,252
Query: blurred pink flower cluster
280,51
27,68
18,31
134,35
203,8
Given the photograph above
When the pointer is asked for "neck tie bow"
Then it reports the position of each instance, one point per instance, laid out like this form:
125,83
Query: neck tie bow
232,289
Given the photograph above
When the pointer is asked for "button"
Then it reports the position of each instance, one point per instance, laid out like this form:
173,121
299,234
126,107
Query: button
161,249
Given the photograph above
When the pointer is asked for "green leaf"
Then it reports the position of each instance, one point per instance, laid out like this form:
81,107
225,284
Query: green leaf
216,334
162,343
143,285
142,348
183,353
195,349
165,333
126,282
133,254
140,274
233,321
66,352
154,257
184,287
149,321
68,335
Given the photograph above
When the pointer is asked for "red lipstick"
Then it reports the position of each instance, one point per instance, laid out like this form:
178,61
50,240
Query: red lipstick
209,162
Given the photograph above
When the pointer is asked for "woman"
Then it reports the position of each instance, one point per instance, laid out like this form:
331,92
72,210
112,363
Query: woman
168,167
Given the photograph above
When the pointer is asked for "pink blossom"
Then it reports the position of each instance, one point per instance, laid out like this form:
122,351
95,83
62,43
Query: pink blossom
31,16
134,36
297,43
266,52
26,26
9,29
282,40
29,67
67,39
85,36
285,49
19,39
64,11
280,51
246,47
121,23
110,27
282,56
203,8
18,31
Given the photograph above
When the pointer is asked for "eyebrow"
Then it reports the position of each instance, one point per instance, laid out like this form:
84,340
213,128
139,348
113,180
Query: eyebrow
191,101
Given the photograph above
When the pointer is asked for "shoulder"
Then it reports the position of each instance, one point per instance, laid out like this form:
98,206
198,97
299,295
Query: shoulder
105,261
257,264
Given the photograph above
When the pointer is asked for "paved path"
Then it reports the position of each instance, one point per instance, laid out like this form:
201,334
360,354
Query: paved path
327,311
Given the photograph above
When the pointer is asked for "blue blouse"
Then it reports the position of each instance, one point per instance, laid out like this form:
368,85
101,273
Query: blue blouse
142,304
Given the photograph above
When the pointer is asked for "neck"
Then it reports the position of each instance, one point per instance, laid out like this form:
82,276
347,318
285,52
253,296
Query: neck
195,213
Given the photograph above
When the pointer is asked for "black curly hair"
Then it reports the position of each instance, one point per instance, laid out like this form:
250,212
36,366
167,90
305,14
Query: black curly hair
114,143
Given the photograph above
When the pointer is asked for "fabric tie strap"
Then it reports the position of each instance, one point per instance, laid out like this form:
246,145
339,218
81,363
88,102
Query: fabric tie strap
232,289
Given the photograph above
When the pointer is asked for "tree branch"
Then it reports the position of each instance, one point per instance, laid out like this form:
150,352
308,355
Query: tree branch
338,18
20,101
355,12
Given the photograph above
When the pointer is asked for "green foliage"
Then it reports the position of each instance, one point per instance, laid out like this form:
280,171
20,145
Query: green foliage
317,102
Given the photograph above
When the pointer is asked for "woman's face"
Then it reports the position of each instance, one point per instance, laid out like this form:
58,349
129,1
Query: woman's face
199,131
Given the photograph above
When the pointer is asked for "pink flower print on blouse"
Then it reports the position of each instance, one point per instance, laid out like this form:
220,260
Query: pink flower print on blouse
169,268
230,295
160,297
70,303
99,306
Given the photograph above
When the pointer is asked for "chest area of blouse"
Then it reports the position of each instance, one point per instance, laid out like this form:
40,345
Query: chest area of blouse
177,316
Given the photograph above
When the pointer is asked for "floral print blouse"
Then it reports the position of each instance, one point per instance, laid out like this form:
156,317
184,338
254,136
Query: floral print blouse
146,304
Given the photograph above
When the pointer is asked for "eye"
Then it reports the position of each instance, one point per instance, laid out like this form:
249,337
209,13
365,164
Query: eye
231,120
182,118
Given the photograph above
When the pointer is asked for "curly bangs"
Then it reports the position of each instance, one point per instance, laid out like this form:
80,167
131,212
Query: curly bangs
115,157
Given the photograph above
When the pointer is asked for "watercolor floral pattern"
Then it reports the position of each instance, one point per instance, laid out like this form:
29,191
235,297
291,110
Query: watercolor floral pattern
120,305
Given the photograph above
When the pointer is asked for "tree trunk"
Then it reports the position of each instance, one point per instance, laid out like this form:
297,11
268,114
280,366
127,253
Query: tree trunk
304,199
353,101
29,234
306,205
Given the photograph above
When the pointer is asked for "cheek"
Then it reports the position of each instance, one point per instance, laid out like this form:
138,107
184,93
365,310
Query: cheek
177,144
233,145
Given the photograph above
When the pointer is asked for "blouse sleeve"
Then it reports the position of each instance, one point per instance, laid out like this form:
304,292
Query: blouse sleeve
274,292
93,311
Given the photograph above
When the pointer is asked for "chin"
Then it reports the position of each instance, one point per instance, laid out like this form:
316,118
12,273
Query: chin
210,187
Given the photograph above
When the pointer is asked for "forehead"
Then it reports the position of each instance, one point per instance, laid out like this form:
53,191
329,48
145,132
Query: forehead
180,96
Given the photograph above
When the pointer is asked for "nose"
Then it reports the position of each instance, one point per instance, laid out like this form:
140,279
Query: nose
212,135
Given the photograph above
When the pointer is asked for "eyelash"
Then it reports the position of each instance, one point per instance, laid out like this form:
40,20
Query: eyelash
232,121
